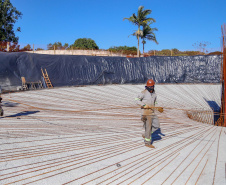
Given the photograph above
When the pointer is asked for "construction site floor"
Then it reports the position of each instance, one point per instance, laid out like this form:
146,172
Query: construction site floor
93,135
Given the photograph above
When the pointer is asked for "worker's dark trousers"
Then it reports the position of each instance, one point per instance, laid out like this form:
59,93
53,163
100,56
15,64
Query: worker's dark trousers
1,110
151,124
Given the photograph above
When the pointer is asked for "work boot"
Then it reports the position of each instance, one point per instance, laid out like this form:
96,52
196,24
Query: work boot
150,146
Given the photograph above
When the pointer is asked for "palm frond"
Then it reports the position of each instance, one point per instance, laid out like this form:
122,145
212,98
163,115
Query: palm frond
146,12
140,10
149,20
131,19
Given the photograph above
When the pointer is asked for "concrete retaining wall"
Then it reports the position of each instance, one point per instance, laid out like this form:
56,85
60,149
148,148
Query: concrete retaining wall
78,52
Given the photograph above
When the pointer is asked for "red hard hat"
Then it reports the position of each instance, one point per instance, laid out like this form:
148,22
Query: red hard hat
150,82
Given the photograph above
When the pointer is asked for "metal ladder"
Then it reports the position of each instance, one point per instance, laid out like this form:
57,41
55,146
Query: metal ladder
47,80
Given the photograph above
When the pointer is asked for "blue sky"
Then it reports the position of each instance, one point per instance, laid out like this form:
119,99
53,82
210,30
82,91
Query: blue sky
180,23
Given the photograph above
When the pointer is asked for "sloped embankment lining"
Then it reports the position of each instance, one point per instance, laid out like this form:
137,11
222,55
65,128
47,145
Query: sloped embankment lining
71,70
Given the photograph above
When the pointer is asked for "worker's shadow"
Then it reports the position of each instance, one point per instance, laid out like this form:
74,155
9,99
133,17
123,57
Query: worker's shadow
156,135
9,104
24,113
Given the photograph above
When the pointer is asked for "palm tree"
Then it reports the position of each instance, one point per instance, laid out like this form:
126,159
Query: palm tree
140,19
148,33
138,34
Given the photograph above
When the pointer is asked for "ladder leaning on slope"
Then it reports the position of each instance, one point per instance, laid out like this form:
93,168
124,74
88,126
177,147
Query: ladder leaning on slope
47,80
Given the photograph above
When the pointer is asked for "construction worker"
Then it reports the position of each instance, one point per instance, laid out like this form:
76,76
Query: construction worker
147,100
1,110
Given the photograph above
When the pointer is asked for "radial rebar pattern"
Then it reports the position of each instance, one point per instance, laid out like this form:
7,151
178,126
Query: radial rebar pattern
92,135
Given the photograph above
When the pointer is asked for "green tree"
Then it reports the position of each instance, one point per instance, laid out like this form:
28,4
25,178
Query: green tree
123,49
66,45
176,52
8,17
27,48
139,20
164,52
58,45
192,53
50,46
148,33
84,43
12,46
39,49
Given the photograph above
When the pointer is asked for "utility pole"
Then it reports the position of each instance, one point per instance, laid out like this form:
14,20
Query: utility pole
7,46
223,95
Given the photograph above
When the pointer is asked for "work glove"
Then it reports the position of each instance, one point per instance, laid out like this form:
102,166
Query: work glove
146,107
160,109
142,106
